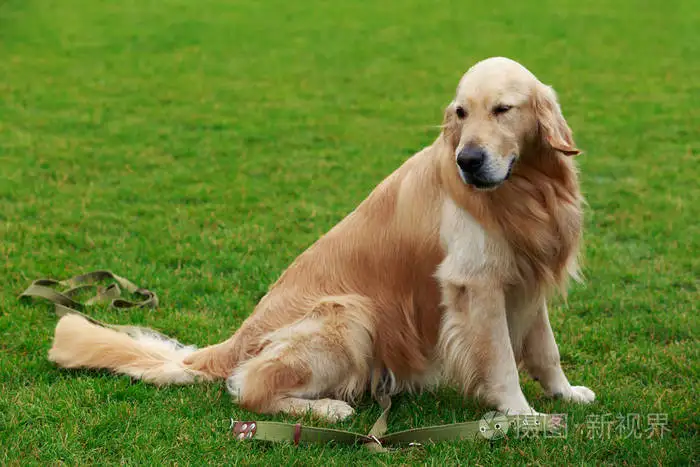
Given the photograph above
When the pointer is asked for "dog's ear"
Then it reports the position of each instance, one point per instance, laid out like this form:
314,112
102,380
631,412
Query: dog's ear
449,115
553,128
450,125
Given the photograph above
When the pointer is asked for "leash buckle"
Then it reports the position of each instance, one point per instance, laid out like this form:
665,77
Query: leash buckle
376,440
243,430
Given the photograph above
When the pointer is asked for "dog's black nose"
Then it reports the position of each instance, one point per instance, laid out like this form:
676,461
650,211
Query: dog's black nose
471,158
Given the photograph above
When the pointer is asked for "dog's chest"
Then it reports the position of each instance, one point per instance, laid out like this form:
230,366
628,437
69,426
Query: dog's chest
470,252
539,245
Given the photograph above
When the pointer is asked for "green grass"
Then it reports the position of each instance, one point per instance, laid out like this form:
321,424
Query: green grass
198,147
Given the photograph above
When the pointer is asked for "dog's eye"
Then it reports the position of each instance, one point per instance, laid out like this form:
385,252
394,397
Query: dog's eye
501,109
461,113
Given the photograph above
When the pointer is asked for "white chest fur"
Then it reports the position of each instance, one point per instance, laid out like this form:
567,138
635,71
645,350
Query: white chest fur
471,253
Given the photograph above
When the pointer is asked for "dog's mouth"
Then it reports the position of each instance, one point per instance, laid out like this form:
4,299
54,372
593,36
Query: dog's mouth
486,184
510,166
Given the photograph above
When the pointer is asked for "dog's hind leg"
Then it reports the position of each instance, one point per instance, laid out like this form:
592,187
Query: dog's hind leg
327,353
218,360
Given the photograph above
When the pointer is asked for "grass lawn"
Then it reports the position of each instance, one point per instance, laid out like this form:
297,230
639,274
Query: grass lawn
198,147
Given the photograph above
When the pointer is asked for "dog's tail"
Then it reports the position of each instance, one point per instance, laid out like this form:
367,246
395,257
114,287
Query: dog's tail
140,353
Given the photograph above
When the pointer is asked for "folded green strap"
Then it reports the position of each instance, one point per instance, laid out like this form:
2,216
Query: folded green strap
65,303
380,426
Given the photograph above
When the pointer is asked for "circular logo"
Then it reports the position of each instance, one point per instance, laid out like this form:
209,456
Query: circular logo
493,425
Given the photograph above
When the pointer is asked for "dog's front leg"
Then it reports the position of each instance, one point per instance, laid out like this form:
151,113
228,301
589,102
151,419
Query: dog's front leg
541,358
475,345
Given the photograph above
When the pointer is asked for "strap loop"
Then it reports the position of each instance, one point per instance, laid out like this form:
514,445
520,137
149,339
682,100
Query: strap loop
64,301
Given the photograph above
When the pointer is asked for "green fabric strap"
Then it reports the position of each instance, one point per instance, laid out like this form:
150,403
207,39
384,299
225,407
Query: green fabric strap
377,440
65,303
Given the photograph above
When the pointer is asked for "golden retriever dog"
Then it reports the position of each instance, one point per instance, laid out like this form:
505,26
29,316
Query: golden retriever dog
441,275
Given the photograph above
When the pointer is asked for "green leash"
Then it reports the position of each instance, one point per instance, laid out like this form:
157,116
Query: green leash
376,440
65,303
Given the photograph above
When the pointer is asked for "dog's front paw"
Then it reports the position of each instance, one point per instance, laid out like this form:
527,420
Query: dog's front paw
332,410
582,395
578,394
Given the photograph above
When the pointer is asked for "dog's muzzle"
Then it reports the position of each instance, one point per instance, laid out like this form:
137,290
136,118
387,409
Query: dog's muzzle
475,168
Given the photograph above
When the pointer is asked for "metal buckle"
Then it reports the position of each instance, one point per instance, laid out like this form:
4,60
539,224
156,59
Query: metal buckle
376,440
243,430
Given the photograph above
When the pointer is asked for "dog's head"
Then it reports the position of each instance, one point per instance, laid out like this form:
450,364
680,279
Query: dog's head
501,110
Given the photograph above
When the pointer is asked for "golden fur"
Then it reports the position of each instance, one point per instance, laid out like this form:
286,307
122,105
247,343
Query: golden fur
429,279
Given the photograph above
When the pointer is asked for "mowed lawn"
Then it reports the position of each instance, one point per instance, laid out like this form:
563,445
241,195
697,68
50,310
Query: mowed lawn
198,147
